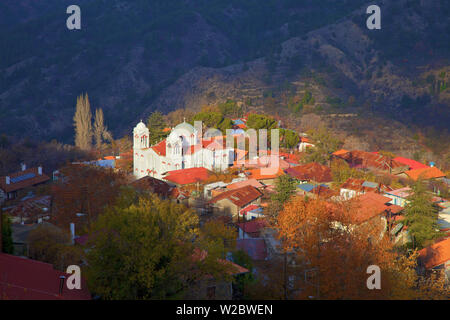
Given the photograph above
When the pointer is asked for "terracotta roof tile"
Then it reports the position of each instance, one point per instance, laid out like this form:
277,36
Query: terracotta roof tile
436,254
412,164
239,197
425,173
188,176
311,171
250,182
370,205
160,148
363,159
153,185
259,174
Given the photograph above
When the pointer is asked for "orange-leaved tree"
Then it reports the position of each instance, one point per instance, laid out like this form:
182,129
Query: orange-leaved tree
83,192
333,255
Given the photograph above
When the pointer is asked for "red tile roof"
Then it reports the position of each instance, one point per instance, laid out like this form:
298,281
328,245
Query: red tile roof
357,185
250,182
253,226
425,173
188,176
153,185
370,205
363,159
324,192
311,171
248,208
412,164
436,254
34,178
339,152
259,174
240,197
160,148
26,279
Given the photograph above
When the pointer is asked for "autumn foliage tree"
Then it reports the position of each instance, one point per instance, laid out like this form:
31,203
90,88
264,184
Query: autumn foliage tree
336,254
84,189
50,244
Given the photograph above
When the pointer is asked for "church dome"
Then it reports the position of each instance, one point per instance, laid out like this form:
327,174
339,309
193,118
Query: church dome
184,127
141,126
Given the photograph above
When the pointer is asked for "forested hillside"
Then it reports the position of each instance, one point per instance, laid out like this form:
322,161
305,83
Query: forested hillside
133,57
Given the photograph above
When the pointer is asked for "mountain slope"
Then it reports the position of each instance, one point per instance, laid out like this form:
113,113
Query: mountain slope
133,57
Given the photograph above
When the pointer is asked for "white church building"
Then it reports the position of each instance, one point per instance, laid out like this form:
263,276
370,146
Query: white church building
184,148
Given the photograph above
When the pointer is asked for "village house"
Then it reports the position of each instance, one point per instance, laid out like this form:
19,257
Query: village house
264,177
210,190
232,201
371,161
399,196
315,191
436,257
354,187
248,182
11,184
304,144
251,212
311,172
251,229
412,164
187,176
426,174
184,148
373,209
153,185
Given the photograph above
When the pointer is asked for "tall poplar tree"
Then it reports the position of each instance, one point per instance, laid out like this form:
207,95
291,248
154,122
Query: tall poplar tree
101,132
83,123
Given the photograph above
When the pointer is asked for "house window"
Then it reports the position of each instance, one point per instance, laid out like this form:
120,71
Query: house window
211,293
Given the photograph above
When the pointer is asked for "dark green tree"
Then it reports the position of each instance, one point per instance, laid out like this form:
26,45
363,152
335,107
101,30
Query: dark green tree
149,250
289,138
284,189
260,121
421,216
156,124
7,242
211,119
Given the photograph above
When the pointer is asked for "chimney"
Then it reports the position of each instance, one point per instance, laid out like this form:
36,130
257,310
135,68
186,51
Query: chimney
61,284
72,232
40,170
8,180
24,166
